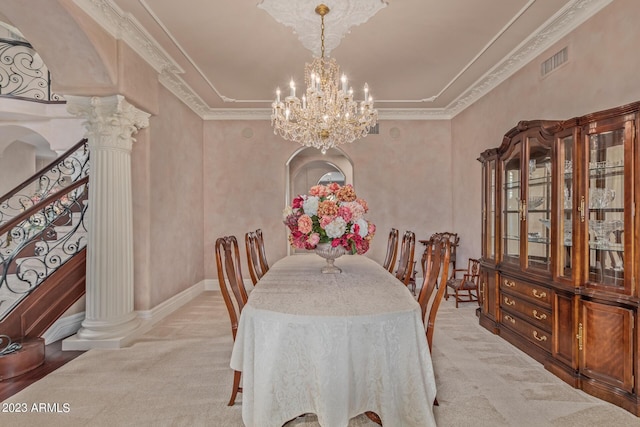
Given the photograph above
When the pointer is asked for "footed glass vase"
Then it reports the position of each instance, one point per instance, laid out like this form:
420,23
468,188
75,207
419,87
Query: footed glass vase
328,252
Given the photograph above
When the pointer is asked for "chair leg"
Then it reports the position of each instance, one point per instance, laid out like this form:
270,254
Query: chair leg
236,387
457,298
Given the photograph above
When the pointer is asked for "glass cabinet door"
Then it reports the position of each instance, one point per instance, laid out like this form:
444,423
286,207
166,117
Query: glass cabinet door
489,210
512,208
608,224
566,205
537,205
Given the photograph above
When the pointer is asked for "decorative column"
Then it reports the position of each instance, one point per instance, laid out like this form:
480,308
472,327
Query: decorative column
110,122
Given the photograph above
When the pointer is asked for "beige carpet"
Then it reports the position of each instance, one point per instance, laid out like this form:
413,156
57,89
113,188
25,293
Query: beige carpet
179,375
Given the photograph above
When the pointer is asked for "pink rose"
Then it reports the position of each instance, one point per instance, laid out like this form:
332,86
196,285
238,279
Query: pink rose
314,239
297,202
372,229
345,213
319,190
334,187
305,224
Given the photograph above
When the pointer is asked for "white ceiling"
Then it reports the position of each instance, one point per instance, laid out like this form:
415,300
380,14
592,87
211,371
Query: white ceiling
421,58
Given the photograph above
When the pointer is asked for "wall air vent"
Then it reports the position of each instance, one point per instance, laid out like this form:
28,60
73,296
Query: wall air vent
554,62
374,130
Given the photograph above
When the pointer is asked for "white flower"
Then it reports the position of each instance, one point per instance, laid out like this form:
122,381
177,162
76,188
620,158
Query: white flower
287,211
310,205
364,227
336,228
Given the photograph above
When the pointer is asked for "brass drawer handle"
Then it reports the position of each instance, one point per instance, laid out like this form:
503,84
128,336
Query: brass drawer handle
509,301
508,283
539,295
579,336
540,317
510,319
539,338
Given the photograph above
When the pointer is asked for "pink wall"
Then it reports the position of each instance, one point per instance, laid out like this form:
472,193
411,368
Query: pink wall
601,73
406,181
176,206
17,163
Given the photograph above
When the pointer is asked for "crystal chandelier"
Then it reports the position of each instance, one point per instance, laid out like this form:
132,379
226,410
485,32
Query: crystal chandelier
327,114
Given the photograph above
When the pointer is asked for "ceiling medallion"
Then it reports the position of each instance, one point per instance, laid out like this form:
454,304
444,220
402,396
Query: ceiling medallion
299,16
327,114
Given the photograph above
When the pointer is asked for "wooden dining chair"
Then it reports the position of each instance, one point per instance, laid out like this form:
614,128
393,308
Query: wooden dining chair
392,251
405,270
253,256
230,280
438,253
261,252
437,261
465,283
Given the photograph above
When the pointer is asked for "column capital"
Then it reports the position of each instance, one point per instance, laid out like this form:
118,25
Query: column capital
110,121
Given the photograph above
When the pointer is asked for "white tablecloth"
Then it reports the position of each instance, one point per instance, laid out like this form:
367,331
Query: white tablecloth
333,345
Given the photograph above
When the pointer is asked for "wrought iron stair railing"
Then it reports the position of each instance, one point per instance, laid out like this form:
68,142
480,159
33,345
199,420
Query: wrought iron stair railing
64,170
42,227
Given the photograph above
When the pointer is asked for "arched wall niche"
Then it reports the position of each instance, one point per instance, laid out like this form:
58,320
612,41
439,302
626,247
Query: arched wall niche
307,165
308,158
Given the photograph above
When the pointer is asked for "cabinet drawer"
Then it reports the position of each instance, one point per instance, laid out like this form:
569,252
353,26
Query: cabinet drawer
536,335
536,314
540,294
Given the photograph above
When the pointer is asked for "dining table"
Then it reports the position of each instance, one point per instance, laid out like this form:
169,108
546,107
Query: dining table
333,345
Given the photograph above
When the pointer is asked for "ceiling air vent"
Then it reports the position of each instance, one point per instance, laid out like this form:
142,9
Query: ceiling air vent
554,62
374,130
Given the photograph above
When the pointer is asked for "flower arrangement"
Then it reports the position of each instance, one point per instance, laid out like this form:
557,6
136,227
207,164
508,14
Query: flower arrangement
329,214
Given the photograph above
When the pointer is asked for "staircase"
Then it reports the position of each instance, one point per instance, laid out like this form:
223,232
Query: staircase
43,241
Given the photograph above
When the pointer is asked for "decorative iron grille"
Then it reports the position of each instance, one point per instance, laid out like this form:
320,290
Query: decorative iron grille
23,74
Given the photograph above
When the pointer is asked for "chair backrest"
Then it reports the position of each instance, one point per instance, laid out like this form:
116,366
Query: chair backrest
405,263
261,252
392,251
230,278
474,269
253,262
437,258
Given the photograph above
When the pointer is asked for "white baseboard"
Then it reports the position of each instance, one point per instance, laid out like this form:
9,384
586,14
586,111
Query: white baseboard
167,307
66,326
63,327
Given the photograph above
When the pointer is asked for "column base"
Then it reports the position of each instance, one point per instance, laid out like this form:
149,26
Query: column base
101,334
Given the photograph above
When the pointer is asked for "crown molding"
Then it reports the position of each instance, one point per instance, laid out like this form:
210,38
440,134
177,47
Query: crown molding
123,26
558,26
176,85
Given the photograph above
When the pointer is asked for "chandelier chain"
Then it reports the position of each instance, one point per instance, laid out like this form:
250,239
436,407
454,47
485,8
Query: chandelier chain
322,35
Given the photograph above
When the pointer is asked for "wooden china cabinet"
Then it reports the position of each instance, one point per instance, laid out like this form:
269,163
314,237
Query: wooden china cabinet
559,236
